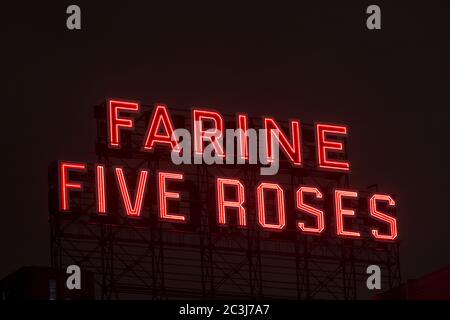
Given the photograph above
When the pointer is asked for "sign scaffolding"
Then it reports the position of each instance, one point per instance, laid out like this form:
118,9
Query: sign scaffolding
150,258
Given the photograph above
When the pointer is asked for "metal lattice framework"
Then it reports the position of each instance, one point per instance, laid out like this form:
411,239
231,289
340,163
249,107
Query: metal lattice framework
145,257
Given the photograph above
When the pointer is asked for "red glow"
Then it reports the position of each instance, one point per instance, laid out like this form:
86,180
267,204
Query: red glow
302,206
291,150
132,210
383,217
164,195
309,213
200,135
115,122
101,196
65,185
160,117
280,206
222,203
323,145
243,137
340,212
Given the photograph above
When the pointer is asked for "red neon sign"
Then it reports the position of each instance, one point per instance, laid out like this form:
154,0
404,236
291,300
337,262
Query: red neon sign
340,212
65,185
383,217
324,145
292,150
164,195
243,137
307,203
317,213
101,192
222,203
213,134
116,122
160,119
131,209
262,188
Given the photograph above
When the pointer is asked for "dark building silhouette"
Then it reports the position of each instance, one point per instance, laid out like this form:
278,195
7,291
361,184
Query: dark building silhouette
44,283
432,286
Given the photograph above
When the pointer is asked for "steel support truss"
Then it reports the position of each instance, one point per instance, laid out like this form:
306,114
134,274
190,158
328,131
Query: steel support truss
148,258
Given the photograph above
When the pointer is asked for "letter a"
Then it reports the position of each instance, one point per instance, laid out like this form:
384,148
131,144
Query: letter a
374,20
374,280
74,280
74,20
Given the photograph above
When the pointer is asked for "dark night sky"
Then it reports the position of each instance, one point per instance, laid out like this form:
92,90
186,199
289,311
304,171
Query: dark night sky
312,62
